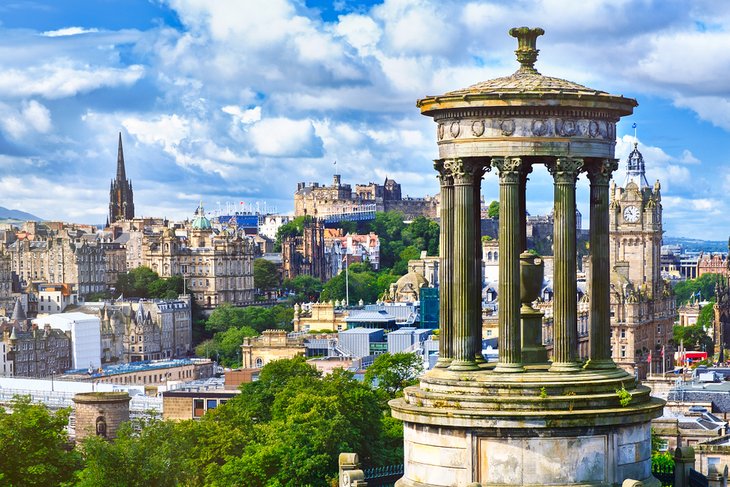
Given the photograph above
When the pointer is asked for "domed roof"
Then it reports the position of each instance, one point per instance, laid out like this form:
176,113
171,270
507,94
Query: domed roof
526,87
201,222
415,279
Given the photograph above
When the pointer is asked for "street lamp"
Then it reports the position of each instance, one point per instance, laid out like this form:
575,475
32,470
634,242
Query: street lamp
347,284
53,371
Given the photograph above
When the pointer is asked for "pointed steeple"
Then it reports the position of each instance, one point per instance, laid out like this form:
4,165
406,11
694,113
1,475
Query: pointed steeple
635,170
121,174
18,312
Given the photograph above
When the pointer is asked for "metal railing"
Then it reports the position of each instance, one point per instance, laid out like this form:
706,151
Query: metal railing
61,399
383,476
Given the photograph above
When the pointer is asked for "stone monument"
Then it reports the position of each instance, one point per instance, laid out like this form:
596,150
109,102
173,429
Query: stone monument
524,421
100,413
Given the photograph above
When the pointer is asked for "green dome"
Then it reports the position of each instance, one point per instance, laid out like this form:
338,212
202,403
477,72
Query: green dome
201,222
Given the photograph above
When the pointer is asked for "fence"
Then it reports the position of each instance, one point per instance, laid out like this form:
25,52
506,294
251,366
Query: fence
383,476
664,474
696,479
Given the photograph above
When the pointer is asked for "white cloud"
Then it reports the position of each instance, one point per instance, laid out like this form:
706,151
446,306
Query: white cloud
688,158
246,117
68,31
283,137
30,117
63,78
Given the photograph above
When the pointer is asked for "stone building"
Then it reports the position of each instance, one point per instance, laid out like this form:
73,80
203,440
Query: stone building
59,254
305,254
6,285
713,263
217,267
270,345
34,352
319,317
320,200
721,319
121,197
642,304
144,330
351,248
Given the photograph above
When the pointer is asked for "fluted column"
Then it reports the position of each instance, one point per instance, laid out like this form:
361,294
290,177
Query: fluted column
463,172
599,174
527,169
446,271
565,301
510,352
476,279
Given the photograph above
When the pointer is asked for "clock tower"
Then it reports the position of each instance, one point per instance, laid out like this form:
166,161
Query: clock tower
642,305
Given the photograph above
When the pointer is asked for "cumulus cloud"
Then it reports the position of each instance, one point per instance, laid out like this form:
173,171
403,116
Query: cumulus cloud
64,78
282,137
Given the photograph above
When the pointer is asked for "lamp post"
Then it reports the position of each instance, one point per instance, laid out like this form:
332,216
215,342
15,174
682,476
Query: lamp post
347,284
53,371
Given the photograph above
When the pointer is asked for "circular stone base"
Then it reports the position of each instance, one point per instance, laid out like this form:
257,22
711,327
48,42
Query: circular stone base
533,428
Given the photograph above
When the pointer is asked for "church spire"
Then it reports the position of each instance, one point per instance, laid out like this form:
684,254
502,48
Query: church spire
121,174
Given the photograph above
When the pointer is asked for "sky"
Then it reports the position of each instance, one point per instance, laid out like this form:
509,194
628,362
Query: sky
233,101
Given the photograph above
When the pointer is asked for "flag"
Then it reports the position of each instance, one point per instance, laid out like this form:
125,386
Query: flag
633,126
648,359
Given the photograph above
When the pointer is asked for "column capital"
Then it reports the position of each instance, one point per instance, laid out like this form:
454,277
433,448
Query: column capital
444,175
463,171
510,168
600,172
565,169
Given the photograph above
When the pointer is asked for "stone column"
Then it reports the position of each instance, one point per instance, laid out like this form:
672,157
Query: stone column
446,263
463,172
527,169
476,279
510,353
565,301
599,174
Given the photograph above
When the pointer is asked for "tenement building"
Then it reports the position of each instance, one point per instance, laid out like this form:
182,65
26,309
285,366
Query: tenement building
322,201
121,197
642,304
525,420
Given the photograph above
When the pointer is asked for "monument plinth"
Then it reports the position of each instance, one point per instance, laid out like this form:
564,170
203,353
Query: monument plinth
524,421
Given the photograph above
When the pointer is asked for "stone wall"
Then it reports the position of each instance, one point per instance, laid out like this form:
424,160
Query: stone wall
100,413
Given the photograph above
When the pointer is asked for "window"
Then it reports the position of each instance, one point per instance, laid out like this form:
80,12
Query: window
623,332
259,363
211,404
623,351
198,408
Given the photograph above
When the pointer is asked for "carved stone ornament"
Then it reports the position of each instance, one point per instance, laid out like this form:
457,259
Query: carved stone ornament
507,126
539,127
440,131
601,172
593,129
463,171
444,175
566,128
565,169
477,128
455,129
508,167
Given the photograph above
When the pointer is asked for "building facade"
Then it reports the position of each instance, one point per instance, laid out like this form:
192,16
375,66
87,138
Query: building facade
642,304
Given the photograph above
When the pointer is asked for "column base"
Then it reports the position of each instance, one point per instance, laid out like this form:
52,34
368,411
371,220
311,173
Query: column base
479,358
601,364
461,365
443,363
509,368
564,367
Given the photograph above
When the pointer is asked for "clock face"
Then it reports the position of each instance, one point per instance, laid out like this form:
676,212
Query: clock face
631,214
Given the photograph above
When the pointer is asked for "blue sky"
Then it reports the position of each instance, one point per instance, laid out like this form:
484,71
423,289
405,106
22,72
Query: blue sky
235,100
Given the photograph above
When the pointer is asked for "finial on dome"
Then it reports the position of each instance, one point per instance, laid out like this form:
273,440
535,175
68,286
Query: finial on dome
526,46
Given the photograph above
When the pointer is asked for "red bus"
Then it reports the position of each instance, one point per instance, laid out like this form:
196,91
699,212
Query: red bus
688,357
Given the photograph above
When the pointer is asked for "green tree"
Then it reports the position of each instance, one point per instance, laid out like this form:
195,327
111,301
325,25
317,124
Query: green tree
409,253
294,228
145,453
423,234
225,316
493,210
391,373
265,275
34,446
306,288
696,337
701,288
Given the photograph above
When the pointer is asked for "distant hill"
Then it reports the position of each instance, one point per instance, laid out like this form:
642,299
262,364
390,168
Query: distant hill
6,214
696,245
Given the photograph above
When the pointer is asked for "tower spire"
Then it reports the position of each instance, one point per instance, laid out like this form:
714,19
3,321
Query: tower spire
121,173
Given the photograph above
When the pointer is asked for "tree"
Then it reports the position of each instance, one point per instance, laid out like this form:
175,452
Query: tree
225,316
306,288
265,275
409,253
294,228
391,373
34,446
701,288
493,210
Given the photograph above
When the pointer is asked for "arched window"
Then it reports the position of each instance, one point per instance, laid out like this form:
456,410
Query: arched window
259,362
